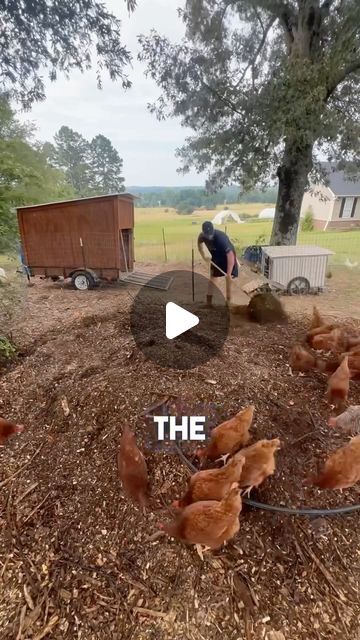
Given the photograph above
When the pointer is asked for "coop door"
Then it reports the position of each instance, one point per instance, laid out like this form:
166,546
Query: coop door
126,249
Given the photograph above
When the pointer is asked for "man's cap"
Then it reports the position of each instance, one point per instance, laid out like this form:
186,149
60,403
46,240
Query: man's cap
208,229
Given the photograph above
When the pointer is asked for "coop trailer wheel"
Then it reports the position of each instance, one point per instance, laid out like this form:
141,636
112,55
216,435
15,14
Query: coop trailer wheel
82,280
298,286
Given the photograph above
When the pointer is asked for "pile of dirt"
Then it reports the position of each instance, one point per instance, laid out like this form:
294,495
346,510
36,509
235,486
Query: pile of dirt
79,561
266,307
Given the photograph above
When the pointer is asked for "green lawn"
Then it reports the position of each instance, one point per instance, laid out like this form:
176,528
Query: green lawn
181,233
182,230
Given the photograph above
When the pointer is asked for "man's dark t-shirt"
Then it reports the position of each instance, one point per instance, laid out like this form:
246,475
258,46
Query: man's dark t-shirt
219,246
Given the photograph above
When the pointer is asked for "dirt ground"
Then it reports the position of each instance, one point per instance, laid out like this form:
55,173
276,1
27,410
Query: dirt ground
78,559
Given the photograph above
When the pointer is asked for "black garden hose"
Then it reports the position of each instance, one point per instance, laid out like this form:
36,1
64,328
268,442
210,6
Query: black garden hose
274,508
302,512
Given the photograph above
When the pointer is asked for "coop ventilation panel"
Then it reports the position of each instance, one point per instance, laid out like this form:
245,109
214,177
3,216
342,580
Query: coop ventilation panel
141,279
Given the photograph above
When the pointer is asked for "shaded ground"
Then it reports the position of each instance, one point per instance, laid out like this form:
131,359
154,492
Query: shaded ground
77,559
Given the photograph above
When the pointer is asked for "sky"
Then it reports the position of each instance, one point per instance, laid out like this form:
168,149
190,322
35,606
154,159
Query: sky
146,145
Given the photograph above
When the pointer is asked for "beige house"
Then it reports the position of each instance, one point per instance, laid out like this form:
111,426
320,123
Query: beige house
335,206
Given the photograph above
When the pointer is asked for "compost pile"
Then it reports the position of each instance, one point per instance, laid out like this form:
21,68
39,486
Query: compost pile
79,561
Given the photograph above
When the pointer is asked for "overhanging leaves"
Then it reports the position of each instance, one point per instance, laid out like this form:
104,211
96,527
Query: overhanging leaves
251,74
58,36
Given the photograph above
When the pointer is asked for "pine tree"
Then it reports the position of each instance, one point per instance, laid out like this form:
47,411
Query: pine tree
106,166
72,155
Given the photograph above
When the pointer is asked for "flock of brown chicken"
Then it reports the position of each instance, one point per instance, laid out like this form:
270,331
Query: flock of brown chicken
208,513
341,363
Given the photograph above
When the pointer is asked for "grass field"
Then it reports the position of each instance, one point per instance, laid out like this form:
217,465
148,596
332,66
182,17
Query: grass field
181,231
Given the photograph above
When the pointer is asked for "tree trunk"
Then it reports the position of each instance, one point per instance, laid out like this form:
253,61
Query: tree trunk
293,175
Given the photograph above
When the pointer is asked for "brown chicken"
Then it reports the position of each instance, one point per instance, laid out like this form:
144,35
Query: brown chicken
209,522
334,341
324,329
322,342
212,484
229,436
353,343
132,468
339,384
317,320
327,366
259,463
341,469
354,365
349,421
301,360
7,429
340,340
354,362
354,350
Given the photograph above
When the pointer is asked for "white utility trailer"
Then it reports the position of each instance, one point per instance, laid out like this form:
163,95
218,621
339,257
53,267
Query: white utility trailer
297,269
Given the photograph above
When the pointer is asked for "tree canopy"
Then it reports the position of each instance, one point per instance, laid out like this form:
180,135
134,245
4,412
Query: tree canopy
106,166
58,37
71,155
26,177
91,167
265,85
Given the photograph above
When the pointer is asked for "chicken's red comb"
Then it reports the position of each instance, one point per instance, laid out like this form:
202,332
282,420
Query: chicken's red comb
160,525
332,422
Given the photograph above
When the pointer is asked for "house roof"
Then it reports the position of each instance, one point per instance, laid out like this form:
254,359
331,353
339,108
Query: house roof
339,183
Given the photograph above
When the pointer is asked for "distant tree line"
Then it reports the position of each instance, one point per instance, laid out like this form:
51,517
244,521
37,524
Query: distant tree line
186,199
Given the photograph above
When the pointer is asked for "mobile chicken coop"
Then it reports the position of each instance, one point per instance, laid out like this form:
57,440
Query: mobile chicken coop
87,240
298,269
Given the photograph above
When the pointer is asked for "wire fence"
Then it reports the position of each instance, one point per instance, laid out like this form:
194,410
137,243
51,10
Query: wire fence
174,244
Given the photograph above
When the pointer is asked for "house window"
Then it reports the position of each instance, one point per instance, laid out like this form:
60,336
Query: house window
348,207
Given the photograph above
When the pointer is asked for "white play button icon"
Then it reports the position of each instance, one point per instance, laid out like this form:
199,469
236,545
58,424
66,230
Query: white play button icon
178,320
164,325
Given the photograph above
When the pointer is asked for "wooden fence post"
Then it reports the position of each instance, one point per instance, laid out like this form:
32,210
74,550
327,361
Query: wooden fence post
193,273
164,241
